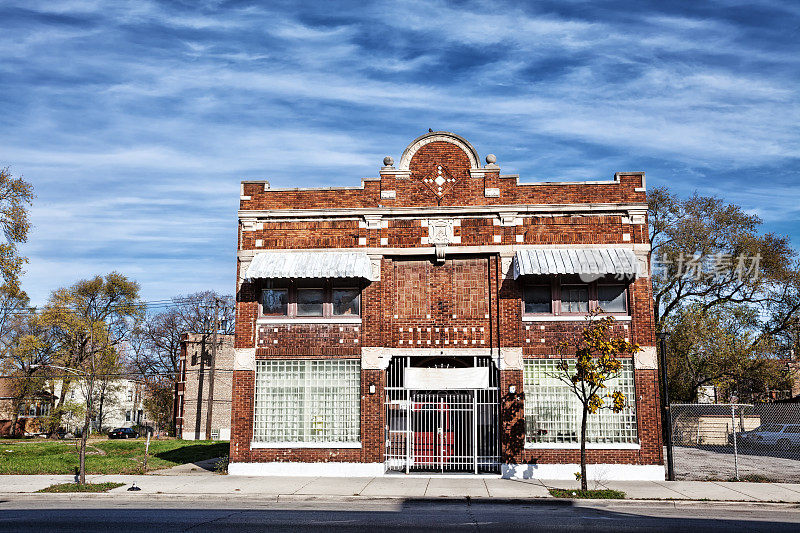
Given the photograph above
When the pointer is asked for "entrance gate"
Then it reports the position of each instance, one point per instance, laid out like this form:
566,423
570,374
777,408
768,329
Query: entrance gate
441,430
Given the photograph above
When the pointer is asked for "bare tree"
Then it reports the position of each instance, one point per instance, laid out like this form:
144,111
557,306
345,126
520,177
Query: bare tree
155,346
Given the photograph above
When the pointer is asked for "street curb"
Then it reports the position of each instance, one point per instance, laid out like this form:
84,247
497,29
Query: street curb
324,498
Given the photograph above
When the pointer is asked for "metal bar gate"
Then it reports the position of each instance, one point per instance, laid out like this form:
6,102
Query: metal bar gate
442,431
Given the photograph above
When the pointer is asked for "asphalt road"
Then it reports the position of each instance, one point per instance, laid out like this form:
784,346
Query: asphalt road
53,514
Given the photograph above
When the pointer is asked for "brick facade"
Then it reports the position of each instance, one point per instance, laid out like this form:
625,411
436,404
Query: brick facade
442,253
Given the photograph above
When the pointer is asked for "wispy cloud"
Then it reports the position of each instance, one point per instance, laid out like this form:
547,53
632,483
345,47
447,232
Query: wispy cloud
136,120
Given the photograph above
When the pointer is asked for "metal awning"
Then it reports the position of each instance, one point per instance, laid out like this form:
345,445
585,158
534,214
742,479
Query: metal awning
581,261
309,265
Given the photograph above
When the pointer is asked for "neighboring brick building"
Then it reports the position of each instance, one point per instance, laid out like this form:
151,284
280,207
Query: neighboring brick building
193,388
411,324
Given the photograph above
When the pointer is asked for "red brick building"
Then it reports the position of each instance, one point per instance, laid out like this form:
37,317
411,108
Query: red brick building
411,324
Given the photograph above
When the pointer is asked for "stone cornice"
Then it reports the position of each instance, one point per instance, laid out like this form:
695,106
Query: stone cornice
506,250
433,211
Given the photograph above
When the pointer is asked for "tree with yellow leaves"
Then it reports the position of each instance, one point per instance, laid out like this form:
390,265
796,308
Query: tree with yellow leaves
596,361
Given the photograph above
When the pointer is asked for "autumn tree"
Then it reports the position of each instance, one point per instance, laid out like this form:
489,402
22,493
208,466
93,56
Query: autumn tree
16,195
729,293
710,253
90,320
596,362
27,347
723,348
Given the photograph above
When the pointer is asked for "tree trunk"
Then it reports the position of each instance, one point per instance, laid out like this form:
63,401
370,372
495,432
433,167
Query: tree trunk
584,484
84,436
100,409
14,418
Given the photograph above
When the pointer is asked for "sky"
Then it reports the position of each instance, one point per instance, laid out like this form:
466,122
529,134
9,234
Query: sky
136,121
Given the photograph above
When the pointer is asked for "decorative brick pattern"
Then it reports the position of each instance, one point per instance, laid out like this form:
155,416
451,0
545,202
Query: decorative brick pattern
421,302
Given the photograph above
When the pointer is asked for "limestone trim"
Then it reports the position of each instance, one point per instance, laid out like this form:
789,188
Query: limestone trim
572,318
645,358
375,358
439,136
444,211
502,249
511,358
244,359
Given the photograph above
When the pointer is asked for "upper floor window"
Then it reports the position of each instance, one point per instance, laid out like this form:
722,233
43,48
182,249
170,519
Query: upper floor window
575,299
538,299
565,295
612,298
321,299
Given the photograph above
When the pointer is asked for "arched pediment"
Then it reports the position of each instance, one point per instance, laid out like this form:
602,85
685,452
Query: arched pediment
439,136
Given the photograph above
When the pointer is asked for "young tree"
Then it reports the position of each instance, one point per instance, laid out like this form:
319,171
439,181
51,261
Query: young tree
91,320
596,362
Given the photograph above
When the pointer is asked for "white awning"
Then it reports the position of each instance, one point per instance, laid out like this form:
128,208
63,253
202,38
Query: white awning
581,261
309,265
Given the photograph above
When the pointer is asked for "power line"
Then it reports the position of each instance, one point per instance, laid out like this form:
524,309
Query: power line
147,305
75,377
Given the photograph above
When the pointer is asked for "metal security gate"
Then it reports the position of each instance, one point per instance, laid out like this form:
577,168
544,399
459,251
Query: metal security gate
441,431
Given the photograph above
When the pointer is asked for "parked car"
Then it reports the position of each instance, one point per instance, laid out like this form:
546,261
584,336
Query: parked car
123,433
781,436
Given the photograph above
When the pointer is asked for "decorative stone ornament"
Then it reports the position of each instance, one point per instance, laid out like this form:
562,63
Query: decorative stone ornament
439,180
388,161
440,231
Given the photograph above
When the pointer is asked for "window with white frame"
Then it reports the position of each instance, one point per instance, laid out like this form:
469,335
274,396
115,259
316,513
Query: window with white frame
307,401
568,295
321,298
553,412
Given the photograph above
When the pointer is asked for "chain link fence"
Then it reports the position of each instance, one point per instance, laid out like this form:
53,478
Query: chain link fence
729,442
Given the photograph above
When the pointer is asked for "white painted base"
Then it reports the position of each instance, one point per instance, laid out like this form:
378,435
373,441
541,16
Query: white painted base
597,472
307,469
224,434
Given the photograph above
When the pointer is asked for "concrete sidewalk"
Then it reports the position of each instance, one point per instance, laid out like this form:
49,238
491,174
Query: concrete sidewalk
408,487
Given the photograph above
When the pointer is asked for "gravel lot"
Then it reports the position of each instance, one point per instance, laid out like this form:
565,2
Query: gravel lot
717,463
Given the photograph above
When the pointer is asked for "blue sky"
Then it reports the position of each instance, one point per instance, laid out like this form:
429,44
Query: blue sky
135,121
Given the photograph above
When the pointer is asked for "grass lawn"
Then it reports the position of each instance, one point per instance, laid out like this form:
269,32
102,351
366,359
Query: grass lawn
604,494
87,487
103,456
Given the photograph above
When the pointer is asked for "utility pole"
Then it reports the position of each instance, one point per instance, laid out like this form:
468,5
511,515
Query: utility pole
212,366
662,338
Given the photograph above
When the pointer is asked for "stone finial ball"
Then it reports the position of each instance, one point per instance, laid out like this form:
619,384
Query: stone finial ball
388,161
491,159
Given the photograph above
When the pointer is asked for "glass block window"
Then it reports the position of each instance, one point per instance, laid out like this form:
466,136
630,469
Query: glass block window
307,400
553,412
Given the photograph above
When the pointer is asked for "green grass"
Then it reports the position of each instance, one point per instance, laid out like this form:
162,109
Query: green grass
86,487
602,494
103,456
